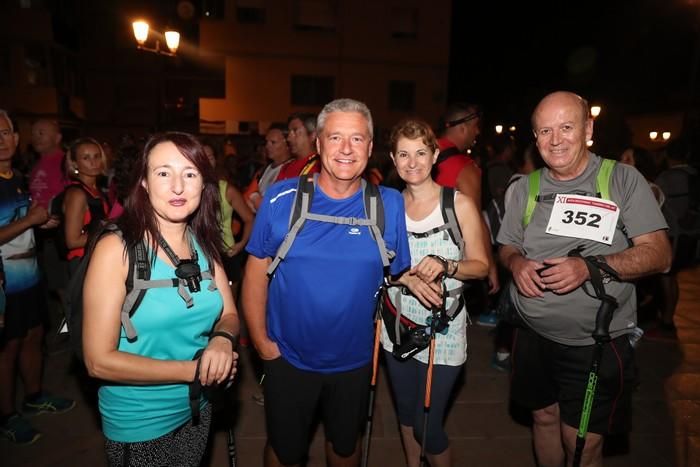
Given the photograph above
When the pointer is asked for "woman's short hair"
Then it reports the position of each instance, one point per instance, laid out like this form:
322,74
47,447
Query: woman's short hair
71,172
413,128
139,217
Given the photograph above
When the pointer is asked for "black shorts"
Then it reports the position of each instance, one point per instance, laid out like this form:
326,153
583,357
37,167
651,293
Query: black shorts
545,372
233,265
292,397
23,312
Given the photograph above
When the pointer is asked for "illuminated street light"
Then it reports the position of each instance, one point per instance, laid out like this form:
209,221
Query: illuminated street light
666,135
140,31
172,39
653,135
499,129
595,111
512,128
589,143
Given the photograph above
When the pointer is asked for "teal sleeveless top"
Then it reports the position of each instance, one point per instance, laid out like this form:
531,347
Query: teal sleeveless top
167,330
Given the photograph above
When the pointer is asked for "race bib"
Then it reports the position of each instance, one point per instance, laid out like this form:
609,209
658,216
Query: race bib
583,217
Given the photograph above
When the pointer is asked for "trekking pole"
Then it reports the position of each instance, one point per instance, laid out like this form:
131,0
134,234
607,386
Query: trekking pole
373,385
426,400
601,336
429,373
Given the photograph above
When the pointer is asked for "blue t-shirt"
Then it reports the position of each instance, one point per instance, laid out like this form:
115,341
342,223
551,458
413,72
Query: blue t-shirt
167,330
20,274
321,299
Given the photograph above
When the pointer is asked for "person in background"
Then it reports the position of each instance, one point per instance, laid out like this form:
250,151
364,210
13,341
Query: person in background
230,202
84,205
22,335
277,152
302,140
172,209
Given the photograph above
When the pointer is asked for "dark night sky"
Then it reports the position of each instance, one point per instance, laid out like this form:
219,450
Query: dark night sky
630,56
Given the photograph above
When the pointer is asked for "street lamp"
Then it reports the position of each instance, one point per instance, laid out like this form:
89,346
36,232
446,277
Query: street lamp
499,129
666,135
653,135
172,39
512,128
595,111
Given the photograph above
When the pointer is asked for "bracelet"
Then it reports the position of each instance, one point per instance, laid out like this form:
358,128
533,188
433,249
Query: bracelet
225,334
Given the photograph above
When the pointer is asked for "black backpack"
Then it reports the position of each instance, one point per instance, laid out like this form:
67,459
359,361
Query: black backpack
95,206
137,284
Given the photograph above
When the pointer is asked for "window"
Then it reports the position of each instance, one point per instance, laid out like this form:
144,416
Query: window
250,11
315,15
404,23
312,90
402,96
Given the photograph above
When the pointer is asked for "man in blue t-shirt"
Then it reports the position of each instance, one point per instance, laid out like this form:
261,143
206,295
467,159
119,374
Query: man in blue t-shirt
22,333
311,322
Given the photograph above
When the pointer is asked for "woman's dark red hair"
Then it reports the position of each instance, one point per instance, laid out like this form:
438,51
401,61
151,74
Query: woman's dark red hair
139,218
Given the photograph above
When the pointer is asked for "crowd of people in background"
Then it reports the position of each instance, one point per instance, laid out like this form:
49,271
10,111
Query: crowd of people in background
224,209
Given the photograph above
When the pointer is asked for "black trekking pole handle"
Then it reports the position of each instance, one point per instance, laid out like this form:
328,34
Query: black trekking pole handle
608,305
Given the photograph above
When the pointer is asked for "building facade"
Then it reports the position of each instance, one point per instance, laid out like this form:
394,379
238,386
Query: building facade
284,56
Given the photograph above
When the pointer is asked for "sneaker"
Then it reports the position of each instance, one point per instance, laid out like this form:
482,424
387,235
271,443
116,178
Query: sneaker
18,430
259,398
500,365
47,404
489,320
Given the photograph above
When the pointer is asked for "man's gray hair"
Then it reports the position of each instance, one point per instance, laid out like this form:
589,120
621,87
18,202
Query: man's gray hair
3,113
345,105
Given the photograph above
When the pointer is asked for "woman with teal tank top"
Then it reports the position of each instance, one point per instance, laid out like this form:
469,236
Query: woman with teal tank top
144,399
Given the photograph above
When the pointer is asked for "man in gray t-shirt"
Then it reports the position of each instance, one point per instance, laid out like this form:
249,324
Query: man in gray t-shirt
552,353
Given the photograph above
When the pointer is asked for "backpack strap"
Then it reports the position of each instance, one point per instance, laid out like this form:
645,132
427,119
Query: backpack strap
449,218
446,154
602,183
374,221
602,179
297,217
138,281
533,183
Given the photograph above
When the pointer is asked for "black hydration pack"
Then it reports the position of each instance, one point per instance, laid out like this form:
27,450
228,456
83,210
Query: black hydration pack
137,284
96,207
374,219
409,337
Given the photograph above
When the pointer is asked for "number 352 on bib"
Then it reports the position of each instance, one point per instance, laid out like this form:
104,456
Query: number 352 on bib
583,217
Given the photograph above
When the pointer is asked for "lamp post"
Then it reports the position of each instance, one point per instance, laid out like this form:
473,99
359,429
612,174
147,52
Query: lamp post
172,40
141,30
595,111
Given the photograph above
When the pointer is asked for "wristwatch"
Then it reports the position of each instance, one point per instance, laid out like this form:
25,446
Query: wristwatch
453,267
